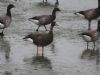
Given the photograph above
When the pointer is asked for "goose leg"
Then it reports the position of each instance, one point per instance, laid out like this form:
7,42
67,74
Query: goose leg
42,51
97,57
37,50
94,45
38,28
89,26
87,45
45,27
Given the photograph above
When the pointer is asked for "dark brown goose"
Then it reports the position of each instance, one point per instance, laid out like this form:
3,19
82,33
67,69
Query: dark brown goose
6,20
45,19
92,35
42,39
91,14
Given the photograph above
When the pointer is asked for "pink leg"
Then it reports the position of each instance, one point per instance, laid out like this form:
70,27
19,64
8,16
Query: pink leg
42,51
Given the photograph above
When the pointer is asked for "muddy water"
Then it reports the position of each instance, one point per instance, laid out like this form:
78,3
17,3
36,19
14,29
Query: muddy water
67,55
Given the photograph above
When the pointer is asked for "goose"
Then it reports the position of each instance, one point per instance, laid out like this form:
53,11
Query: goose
91,14
42,39
91,35
45,19
6,20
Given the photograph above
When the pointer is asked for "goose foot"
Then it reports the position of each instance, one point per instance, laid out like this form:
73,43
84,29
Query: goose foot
2,34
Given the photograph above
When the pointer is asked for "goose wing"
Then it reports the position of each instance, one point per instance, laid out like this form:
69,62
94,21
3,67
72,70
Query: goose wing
42,39
45,19
6,20
91,13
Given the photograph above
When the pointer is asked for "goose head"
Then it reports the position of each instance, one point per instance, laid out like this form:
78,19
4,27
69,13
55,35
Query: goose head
10,6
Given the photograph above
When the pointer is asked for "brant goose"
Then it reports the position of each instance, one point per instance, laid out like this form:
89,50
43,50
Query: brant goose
42,39
45,19
91,14
92,35
6,20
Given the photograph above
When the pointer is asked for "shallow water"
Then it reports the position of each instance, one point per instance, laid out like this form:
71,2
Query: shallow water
67,55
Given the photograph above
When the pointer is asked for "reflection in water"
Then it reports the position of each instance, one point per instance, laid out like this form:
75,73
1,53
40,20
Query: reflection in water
91,54
53,48
39,62
5,51
7,73
39,65
42,61
5,47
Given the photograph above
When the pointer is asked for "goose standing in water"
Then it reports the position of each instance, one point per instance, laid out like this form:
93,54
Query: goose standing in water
6,20
42,39
92,35
45,19
90,14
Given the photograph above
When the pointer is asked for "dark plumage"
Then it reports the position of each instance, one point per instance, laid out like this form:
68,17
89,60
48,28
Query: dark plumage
92,35
91,14
45,19
6,20
42,39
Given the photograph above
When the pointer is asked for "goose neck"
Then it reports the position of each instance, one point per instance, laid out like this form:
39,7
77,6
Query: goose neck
8,12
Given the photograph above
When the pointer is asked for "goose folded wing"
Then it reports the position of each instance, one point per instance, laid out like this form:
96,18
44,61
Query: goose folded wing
40,38
45,19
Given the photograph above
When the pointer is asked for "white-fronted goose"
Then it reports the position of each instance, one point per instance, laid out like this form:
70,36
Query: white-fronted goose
92,35
91,14
45,19
6,20
42,39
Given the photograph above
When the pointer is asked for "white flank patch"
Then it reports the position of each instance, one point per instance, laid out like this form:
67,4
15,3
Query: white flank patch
87,38
80,14
29,39
1,25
